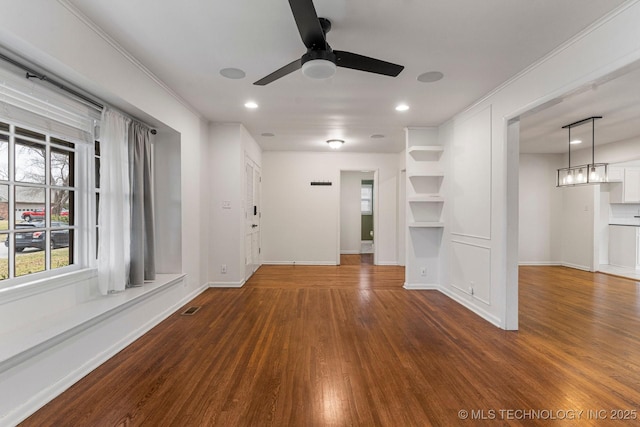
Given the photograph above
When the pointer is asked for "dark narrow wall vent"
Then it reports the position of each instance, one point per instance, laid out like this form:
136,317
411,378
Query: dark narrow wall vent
190,311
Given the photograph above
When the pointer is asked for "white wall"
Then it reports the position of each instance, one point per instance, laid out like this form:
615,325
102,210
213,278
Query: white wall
540,210
577,225
79,53
300,222
606,46
350,210
230,145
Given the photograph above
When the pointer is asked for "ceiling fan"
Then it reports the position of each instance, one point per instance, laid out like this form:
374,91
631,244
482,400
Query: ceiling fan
320,61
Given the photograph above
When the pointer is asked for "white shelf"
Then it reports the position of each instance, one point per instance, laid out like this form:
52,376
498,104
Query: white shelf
426,198
434,174
426,224
426,148
426,152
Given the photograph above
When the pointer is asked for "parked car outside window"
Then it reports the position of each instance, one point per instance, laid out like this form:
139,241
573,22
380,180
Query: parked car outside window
24,238
39,214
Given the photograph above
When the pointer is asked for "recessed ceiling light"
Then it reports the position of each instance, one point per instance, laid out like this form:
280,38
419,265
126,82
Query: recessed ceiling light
576,141
430,77
268,134
377,136
335,143
252,105
402,107
232,73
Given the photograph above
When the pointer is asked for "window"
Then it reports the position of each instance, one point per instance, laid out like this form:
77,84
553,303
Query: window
366,199
38,191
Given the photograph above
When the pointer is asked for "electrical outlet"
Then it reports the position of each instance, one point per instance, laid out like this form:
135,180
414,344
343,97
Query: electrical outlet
423,271
223,269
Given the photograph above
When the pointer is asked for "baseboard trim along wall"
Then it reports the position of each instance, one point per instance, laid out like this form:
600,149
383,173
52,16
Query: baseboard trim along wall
477,310
447,292
227,284
299,263
421,287
539,263
576,266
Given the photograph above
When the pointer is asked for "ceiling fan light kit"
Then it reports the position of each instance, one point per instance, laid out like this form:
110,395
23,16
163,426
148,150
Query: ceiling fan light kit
319,69
592,173
320,61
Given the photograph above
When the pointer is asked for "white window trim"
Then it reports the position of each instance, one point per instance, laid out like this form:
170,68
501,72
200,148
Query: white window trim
84,213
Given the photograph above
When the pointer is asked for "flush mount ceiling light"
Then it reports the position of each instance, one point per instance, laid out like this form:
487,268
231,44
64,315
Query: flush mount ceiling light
592,173
335,143
232,73
251,105
268,134
377,136
402,107
576,141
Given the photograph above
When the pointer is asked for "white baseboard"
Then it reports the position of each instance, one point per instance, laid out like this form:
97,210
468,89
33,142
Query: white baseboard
392,263
227,284
299,263
48,393
421,286
539,263
554,264
469,305
576,266
350,252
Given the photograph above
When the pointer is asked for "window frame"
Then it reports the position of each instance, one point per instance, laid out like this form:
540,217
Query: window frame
83,206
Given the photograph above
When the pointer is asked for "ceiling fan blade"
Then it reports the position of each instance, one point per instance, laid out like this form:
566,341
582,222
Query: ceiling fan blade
289,68
308,24
365,63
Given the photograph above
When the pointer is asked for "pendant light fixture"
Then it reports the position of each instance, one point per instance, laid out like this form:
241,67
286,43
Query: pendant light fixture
592,173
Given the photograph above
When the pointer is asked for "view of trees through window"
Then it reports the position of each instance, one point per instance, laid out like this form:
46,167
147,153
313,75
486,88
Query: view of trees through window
37,189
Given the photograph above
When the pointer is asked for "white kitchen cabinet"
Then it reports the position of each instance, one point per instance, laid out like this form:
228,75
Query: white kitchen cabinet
623,246
627,191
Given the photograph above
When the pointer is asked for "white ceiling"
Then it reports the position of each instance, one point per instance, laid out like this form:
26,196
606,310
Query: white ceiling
476,44
615,98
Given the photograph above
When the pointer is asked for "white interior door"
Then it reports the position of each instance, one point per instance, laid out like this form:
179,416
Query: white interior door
252,218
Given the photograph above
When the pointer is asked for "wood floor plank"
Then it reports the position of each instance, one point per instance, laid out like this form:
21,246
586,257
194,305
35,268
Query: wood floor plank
337,346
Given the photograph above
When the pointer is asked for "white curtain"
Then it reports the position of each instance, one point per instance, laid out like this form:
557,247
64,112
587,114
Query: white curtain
114,215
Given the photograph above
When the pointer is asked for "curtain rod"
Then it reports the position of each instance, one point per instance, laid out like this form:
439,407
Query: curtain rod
31,74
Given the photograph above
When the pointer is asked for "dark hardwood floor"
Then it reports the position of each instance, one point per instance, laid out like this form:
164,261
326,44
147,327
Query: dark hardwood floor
339,346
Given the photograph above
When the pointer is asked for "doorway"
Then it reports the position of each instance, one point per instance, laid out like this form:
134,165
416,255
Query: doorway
357,217
570,226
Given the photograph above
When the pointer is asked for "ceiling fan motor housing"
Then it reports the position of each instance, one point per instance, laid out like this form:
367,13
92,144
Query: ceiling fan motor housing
311,55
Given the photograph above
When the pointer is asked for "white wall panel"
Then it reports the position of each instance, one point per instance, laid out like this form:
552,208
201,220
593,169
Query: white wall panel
470,186
471,270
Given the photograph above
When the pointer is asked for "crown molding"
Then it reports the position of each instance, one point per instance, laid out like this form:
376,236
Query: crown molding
132,59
